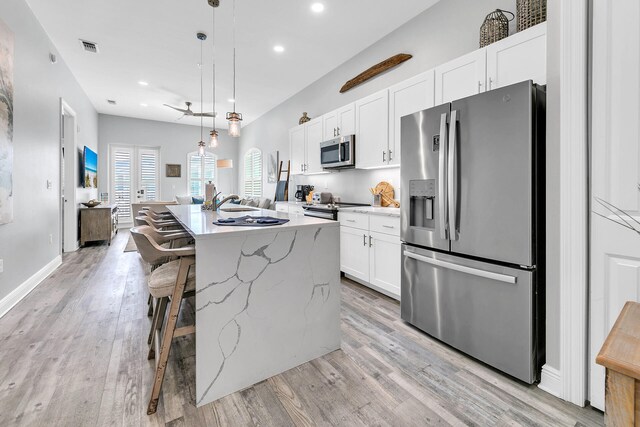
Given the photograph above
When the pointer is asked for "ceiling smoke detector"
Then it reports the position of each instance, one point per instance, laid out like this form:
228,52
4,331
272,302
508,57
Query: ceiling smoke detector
88,46
111,101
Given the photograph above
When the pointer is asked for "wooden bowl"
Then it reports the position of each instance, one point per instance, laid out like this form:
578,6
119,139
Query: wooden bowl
91,203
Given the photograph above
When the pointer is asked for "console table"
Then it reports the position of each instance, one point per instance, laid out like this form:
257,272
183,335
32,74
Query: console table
620,354
99,223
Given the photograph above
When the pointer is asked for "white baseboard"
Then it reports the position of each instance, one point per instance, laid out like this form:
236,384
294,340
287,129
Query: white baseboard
28,285
551,381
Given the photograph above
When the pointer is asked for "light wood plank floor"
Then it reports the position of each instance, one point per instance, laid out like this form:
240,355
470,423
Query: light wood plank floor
73,353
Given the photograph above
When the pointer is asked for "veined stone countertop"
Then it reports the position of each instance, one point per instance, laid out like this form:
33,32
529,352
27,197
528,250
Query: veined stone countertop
200,224
291,202
372,210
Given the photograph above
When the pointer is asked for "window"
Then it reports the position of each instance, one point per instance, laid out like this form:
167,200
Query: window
253,173
202,169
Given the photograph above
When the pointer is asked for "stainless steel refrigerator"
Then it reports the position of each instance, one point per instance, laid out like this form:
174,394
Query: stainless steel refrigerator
472,226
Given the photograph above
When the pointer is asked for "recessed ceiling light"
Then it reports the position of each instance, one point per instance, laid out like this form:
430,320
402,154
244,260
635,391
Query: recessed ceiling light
231,100
278,48
317,7
144,105
141,83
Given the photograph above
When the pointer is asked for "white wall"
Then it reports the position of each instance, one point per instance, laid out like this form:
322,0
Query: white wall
445,31
175,141
38,87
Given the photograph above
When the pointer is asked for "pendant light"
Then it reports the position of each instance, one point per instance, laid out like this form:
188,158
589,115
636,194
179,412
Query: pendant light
233,117
201,145
213,135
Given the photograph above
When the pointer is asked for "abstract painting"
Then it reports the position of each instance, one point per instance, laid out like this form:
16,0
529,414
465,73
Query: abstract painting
272,166
6,124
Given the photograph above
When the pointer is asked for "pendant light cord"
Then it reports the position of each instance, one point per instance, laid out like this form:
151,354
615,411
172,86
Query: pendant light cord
201,91
234,56
213,67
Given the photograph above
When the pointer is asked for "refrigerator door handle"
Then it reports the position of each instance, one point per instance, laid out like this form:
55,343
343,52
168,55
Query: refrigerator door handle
442,180
469,270
452,181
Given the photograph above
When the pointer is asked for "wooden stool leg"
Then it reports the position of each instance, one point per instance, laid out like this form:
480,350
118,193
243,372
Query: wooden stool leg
167,336
158,320
150,304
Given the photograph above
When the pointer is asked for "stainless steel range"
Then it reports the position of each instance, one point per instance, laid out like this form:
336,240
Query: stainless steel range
328,211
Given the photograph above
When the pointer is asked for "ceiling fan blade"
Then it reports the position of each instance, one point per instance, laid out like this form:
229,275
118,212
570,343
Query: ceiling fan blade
176,108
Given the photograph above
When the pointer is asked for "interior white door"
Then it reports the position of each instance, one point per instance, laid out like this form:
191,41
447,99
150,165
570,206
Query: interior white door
462,77
148,174
372,130
385,254
615,168
354,252
410,96
314,138
69,182
296,149
522,56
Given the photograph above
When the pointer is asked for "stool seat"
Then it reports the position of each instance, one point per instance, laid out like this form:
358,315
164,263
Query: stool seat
163,279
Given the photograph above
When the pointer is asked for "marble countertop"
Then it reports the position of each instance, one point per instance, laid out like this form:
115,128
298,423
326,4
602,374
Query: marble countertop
200,224
291,202
371,210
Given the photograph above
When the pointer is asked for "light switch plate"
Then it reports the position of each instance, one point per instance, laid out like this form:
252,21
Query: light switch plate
1,265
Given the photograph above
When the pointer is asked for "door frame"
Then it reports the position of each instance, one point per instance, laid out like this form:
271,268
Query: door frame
70,208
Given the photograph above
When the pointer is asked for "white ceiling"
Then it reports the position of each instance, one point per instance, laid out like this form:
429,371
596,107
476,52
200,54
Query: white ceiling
155,41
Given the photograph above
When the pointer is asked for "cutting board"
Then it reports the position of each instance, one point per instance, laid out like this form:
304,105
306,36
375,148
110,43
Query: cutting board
386,192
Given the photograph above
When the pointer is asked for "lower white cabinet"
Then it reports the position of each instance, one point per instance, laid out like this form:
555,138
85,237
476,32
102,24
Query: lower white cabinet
369,256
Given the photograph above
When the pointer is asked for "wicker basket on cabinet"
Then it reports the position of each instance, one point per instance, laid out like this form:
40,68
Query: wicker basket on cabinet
495,27
530,13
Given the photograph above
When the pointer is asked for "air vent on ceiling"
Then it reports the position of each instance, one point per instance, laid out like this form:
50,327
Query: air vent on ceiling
111,101
88,46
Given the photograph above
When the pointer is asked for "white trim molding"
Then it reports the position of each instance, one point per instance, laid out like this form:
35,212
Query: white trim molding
15,296
551,381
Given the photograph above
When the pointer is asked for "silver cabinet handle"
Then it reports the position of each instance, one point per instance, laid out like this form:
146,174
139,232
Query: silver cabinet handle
479,86
300,168
350,220
388,226
464,269
390,158
334,132
364,239
384,156
370,244
442,182
453,177
490,82
338,130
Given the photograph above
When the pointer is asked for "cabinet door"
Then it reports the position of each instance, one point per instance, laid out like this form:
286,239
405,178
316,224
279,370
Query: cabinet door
410,96
462,77
296,149
372,130
330,125
314,138
522,56
385,258
347,120
354,252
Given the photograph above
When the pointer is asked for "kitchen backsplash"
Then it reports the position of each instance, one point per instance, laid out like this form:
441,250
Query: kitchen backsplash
351,185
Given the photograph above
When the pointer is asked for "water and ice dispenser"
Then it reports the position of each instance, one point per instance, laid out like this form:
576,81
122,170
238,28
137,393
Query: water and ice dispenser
422,193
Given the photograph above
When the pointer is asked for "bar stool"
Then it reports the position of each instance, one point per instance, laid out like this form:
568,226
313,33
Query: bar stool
156,215
157,224
173,280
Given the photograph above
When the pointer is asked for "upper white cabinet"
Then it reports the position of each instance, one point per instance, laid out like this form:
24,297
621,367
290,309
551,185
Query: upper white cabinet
297,148
339,122
522,56
314,138
410,96
372,130
462,77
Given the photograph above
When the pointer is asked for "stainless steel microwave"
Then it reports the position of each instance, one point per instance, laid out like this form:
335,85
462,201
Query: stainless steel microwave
338,153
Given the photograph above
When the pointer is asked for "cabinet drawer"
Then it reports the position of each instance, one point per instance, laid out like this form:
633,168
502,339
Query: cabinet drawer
281,207
385,224
355,220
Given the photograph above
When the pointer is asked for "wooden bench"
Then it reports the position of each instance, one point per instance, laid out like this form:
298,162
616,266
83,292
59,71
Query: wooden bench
620,354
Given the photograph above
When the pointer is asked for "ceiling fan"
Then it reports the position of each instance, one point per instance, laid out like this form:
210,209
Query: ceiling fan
189,112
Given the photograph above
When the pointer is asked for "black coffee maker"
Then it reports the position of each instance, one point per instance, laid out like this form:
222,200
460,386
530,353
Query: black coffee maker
302,192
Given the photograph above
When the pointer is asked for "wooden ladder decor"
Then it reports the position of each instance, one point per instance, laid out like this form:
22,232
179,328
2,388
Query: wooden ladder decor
280,183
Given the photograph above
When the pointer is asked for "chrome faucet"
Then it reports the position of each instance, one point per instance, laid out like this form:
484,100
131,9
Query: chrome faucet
223,201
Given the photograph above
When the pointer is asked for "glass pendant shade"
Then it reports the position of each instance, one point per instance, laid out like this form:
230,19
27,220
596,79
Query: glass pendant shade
234,124
213,140
201,147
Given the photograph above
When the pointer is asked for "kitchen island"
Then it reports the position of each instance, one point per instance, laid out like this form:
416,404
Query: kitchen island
267,298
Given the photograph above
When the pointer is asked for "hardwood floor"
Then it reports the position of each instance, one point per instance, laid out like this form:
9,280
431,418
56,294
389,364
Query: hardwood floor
73,353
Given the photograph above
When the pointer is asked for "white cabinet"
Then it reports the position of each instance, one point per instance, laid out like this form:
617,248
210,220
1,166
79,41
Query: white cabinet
385,261
339,122
522,56
370,250
297,149
313,139
462,77
354,253
304,147
410,96
372,130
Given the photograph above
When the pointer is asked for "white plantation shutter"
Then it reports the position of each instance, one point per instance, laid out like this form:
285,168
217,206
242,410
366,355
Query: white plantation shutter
253,173
149,173
122,162
202,169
